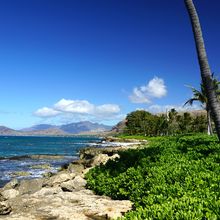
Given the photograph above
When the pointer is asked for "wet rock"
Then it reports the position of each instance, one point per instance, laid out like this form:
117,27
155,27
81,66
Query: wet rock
11,185
20,173
10,193
5,208
45,166
50,157
48,174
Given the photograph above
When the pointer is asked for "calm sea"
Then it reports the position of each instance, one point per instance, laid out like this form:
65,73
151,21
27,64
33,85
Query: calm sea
16,152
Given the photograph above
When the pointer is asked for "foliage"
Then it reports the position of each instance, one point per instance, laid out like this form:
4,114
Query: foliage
141,122
146,124
201,96
174,178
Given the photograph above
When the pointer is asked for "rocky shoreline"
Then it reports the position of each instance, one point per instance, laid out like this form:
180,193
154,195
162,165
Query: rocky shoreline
63,196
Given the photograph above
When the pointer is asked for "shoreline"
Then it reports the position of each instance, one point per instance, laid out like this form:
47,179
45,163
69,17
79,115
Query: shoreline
23,200
20,153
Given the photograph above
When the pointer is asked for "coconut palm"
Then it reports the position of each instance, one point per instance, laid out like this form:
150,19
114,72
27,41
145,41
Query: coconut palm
171,118
205,71
200,96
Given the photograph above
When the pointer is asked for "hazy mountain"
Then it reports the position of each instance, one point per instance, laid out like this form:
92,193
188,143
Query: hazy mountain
84,126
40,127
8,131
49,131
119,128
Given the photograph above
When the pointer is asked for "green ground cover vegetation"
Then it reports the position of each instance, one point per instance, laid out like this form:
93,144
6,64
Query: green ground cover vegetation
174,177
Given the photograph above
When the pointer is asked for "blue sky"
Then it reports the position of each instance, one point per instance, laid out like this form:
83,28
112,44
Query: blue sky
63,61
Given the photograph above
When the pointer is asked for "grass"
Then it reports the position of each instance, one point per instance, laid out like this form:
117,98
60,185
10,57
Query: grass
172,178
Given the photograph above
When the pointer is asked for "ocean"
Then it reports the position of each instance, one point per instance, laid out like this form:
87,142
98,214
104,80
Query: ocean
31,157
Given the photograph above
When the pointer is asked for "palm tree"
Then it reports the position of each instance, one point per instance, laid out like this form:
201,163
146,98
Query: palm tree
171,118
205,71
184,122
201,97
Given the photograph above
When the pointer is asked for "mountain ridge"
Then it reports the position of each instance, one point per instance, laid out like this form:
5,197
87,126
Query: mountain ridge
77,128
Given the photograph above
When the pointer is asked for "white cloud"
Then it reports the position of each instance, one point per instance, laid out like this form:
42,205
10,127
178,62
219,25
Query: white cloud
155,88
139,96
107,109
46,112
80,110
74,106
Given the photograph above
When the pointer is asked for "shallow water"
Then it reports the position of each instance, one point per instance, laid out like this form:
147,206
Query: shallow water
16,152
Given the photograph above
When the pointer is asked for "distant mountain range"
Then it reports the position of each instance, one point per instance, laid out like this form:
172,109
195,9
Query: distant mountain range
84,127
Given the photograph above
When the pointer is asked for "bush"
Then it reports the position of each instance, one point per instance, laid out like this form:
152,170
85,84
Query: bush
173,178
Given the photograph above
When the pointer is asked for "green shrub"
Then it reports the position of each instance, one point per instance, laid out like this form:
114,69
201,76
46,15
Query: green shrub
173,178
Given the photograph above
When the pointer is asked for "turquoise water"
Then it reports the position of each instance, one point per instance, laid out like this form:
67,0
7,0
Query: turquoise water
16,152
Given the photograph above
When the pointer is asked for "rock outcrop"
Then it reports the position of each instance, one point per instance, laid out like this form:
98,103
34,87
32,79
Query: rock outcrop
5,208
62,196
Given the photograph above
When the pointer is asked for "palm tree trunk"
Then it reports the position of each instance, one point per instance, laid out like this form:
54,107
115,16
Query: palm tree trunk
209,123
205,71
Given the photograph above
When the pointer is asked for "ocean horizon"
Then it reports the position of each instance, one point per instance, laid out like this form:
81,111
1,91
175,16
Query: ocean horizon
33,156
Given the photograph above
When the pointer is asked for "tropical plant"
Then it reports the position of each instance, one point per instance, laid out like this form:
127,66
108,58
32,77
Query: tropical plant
171,178
162,125
172,123
205,71
184,122
201,97
199,124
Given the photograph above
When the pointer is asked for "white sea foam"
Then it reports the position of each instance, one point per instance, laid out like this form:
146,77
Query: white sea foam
112,144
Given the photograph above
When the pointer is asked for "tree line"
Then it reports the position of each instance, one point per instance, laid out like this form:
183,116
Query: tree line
144,123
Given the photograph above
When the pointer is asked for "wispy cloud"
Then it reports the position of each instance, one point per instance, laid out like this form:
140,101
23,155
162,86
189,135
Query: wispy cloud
155,88
46,112
180,107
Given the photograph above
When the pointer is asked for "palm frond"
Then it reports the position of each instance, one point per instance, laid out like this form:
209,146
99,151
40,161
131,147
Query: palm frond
190,101
200,95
